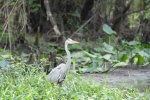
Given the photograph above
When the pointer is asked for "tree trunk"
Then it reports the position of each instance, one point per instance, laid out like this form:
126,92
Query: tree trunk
119,18
86,9
36,16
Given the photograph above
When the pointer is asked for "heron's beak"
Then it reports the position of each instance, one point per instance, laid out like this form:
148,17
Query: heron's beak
74,42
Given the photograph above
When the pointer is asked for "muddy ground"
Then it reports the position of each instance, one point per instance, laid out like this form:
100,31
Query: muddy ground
124,77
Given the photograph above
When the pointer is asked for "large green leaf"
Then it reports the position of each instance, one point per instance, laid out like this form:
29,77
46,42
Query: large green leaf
144,54
91,69
89,55
98,49
108,29
108,51
106,57
133,43
124,58
108,47
77,54
120,64
138,59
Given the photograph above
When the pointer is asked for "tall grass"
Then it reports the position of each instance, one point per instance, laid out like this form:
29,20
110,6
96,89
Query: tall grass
19,85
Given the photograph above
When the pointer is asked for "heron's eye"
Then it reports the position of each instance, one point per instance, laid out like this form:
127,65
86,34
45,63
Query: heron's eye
69,39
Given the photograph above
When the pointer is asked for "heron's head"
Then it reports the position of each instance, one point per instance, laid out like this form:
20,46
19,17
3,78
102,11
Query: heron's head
70,41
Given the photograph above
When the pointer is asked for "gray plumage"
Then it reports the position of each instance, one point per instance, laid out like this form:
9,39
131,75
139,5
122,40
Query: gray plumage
58,74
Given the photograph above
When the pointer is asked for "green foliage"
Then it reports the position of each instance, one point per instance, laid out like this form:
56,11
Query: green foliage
34,6
120,64
137,52
108,48
108,29
106,56
89,55
124,58
18,84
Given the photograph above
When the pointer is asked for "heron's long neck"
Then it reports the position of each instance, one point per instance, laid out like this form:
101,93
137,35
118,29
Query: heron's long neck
68,56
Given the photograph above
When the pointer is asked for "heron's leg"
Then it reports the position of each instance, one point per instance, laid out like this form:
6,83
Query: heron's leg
60,84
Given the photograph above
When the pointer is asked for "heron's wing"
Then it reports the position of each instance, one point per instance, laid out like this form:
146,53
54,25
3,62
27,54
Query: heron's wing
62,76
57,74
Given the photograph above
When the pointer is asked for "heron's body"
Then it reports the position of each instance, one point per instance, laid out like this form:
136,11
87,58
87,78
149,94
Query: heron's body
58,74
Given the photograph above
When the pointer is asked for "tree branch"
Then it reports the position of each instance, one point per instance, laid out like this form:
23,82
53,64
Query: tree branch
50,17
82,26
136,11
